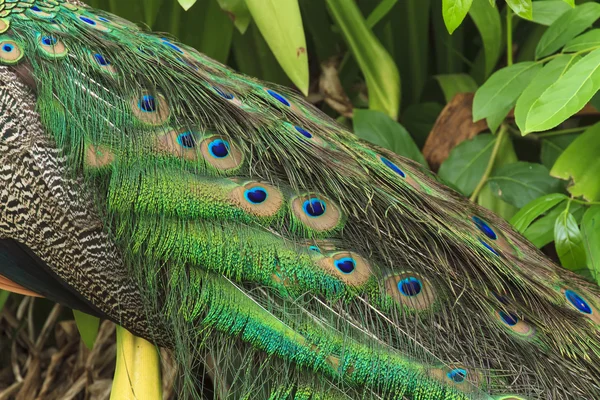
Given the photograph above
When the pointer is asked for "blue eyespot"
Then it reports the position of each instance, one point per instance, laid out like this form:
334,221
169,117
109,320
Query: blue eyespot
256,195
278,97
484,228
304,132
392,166
49,40
410,286
35,8
171,45
315,249
103,19
218,148
457,375
87,20
487,246
314,207
509,319
578,302
346,265
187,140
8,47
223,94
147,103
101,60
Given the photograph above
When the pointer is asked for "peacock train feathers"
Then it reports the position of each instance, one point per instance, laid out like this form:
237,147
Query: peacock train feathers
230,221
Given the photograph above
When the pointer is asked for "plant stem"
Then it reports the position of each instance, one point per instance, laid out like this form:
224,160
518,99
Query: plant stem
561,132
491,162
509,39
585,203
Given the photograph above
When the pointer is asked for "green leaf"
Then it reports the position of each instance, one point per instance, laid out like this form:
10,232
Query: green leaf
488,23
452,84
186,4
553,147
522,8
467,162
522,182
569,242
580,164
238,12
216,35
280,23
503,88
4,294
546,12
382,9
538,85
377,66
495,120
566,27
590,230
541,232
570,3
454,11
378,128
534,209
587,41
448,48
88,327
419,120
566,96
506,155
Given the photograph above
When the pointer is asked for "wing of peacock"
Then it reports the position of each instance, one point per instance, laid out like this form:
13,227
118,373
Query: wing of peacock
234,223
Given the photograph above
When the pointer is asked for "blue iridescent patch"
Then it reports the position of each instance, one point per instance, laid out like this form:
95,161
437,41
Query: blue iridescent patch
392,166
7,47
187,140
103,19
218,148
304,132
256,195
278,97
345,265
172,46
457,375
484,228
315,249
578,302
101,60
48,40
508,318
410,286
487,246
147,103
314,207
87,20
223,94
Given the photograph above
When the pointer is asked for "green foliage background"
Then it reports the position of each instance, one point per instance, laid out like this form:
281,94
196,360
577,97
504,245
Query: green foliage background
399,62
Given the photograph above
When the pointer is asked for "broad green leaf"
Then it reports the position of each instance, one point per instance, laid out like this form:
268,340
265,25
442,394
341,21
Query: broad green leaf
587,41
522,8
238,12
538,85
382,9
466,163
216,35
419,120
569,242
280,23
377,66
541,232
534,209
506,155
454,11
448,48
553,147
503,88
566,27
452,84
495,120
88,327
521,182
580,164
487,21
3,297
566,96
571,3
590,230
378,128
186,4
546,12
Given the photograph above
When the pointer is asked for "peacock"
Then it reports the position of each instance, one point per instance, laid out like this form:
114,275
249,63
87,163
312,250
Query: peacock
228,220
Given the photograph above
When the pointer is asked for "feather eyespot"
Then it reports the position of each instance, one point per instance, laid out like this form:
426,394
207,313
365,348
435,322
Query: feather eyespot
316,249
10,51
314,207
488,247
484,228
92,23
186,140
258,198
150,109
102,63
457,375
224,94
392,166
279,97
410,290
303,132
102,19
578,302
345,265
349,267
317,212
37,12
221,153
51,47
515,324
180,143
172,46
